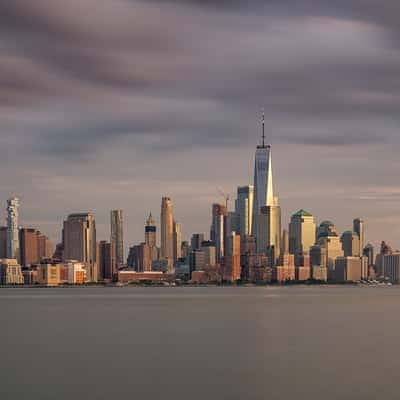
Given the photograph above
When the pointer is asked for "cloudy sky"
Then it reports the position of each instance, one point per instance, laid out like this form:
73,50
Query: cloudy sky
113,103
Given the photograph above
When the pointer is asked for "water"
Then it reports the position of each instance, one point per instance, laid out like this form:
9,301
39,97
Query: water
200,343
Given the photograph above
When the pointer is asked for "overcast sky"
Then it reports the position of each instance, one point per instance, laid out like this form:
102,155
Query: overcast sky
114,103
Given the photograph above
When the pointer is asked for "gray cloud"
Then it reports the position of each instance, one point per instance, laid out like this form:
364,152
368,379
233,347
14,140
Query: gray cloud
167,94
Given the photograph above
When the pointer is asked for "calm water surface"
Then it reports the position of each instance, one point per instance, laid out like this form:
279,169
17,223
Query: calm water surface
200,343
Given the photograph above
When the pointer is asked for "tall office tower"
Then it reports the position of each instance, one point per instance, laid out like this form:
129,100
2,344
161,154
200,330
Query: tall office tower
244,209
232,222
150,234
285,269
385,250
263,190
301,232
117,237
358,227
326,228
210,252
232,269
368,252
197,260
350,244
177,241
29,246
196,241
106,260
285,242
167,232
329,239
12,228
79,236
185,250
217,234
150,237
3,242
318,263
268,239
348,269
46,248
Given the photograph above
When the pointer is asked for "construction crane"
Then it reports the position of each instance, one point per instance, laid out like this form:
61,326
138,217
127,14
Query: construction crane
225,196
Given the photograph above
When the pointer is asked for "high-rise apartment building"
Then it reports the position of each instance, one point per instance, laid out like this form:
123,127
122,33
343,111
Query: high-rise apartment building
150,237
167,232
359,228
79,239
217,233
244,209
177,241
117,237
301,232
13,228
29,246
350,244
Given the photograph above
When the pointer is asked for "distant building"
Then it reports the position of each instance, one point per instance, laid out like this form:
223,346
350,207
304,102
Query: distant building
244,209
232,268
79,235
348,269
3,242
196,241
301,232
285,269
391,267
150,238
13,228
302,265
368,252
385,250
126,276
350,244
318,263
185,250
10,272
49,274
358,227
76,272
106,260
210,252
140,258
198,260
117,237
177,241
34,247
217,232
269,230
167,232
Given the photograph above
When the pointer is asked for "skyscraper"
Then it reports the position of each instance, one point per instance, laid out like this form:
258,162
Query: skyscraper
3,242
264,195
150,238
29,246
269,231
350,244
79,237
301,232
368,252
244,209
232,269
117,238
167,231
13,228
217,234
358,227
105,260
177,241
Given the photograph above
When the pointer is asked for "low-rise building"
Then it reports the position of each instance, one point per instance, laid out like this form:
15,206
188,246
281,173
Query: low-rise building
49,274
10,272
129,276
76,272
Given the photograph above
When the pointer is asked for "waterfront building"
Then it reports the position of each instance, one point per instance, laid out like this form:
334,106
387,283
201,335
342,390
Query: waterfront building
177,241
350,244
391,267
3,242
348,269
359,228
217,232
49,274
167,232
10,272
79,242
301,232
244,209
12,239
117,237
106,260
232,269
76,271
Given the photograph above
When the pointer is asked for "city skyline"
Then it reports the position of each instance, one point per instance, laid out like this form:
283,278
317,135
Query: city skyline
177,114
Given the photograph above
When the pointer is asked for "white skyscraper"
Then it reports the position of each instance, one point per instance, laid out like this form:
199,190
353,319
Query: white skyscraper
12,228
263,189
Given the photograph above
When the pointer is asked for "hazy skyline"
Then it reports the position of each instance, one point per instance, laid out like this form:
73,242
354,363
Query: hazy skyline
108,104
